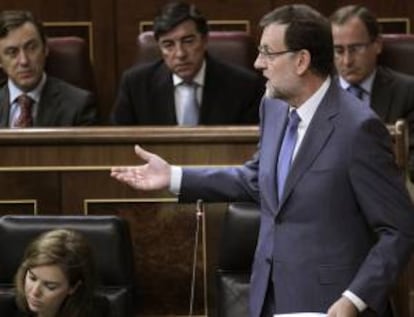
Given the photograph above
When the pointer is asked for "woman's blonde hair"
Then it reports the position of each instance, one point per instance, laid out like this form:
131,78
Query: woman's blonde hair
70,251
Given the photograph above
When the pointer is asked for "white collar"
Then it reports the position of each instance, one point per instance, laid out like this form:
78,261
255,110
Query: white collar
309,107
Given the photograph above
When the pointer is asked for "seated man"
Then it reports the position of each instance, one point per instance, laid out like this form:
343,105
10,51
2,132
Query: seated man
31,98
357,44
158,93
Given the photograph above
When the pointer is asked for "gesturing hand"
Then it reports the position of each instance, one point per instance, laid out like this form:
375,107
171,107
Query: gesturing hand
154,174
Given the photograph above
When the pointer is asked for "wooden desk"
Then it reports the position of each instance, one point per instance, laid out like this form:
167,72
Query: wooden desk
66,171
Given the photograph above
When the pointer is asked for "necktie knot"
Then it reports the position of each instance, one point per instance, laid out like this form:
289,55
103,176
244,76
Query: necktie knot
294,119
25,118
357,91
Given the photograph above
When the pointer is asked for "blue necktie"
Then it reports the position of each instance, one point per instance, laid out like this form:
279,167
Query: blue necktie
286,151
190,105
357,91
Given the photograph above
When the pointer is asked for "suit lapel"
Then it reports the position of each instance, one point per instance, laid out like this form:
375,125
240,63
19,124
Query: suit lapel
275,119
214,97
316,136
212,84
381,94
4,106
49,103
163,97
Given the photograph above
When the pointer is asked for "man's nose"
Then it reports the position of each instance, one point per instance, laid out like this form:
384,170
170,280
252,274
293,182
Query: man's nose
22,57
180,50
259,63
347,57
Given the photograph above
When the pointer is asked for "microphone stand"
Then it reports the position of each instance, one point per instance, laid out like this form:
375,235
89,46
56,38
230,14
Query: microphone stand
200,218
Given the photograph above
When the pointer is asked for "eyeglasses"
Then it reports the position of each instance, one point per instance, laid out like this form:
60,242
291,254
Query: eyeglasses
270,56
352,49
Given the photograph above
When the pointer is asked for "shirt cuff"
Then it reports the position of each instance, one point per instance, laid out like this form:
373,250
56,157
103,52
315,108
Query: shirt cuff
358,302
175,181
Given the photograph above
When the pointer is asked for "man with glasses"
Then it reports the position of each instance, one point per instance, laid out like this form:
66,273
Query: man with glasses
159,93
357,44
337,223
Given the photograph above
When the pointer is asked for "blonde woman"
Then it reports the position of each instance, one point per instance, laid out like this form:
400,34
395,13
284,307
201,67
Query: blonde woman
56,278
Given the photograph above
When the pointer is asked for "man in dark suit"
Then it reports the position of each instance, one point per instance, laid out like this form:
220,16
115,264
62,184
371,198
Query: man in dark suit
357,44
337,223
154,94
30,97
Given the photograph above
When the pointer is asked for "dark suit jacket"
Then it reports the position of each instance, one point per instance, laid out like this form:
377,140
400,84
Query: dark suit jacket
345,219
393,98
231,95
60,104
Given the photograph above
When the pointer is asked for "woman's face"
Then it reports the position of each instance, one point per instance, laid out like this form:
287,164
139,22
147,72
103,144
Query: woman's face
46,287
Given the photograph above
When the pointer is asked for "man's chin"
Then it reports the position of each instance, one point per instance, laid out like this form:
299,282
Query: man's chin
26,84
186,74
352,78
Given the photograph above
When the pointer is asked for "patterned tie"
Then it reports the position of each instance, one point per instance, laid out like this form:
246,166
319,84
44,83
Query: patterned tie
190,105
357,91
286,151
25,118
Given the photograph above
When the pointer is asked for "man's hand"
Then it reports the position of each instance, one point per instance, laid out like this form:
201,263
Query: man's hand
343,307
153,175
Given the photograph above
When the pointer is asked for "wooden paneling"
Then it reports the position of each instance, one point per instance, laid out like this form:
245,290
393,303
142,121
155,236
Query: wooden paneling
67,171
116,26
105,53
29,192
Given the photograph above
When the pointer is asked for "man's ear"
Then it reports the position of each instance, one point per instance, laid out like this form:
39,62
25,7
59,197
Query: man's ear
46,49
378,42
303,61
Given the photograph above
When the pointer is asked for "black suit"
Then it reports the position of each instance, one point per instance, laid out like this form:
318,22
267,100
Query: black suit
231,95
392,98
60,104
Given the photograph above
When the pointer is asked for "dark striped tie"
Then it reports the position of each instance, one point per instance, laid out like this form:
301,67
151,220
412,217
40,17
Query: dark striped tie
25,118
